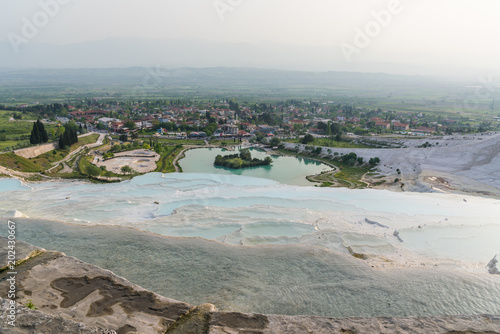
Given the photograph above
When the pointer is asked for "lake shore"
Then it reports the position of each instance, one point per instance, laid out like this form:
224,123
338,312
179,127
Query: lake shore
448,164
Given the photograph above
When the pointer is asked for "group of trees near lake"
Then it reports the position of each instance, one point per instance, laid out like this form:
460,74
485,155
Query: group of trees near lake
242,160
38,134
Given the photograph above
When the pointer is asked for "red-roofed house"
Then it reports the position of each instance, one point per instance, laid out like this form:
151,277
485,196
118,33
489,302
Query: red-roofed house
383,125
401,126
424,131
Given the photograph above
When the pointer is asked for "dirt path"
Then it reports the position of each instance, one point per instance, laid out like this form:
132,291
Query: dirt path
66,168
99,142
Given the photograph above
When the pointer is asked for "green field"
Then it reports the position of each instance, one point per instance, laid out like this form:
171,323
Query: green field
5,145
15,133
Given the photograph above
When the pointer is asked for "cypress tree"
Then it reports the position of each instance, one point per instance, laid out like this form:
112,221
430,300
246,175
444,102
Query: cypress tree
34,137
61,141
38,134
44,137
75,137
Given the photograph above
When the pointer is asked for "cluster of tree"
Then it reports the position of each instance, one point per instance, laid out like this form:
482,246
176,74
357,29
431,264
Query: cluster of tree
268,118
234,106
48,110
68,138
94,171
350,159
242,160
38,134
374,161
330,128
211,127
307,139
125,147
126,169
275,141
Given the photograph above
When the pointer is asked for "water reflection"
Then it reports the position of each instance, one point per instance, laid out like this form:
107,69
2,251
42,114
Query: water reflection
284,169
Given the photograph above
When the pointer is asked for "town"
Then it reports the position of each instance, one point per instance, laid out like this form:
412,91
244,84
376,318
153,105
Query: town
228,119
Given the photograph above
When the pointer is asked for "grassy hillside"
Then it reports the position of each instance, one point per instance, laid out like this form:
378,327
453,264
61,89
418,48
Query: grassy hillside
17,163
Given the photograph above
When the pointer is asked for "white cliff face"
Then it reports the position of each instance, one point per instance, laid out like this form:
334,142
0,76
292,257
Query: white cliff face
467,164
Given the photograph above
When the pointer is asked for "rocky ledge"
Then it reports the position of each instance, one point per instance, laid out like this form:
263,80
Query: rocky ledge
71,296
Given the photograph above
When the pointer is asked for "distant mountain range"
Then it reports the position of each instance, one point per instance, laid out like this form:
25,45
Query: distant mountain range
175,53
157,77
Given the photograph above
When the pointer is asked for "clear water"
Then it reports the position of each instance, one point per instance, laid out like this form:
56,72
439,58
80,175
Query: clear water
286,170
7,185
255,245
285,279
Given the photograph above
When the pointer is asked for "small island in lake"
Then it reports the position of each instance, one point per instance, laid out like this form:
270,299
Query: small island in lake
242,160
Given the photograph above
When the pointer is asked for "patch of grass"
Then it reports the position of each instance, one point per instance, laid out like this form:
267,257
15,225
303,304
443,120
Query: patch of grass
90,139
166,162
29,304
11,144
83,163
73,175
55,170
105,144
20,164
45,160
352,174
348,176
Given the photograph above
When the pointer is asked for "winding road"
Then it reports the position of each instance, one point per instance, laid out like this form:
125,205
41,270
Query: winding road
99,142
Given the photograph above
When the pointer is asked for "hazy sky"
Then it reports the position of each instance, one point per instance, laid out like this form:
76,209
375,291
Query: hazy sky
421,32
